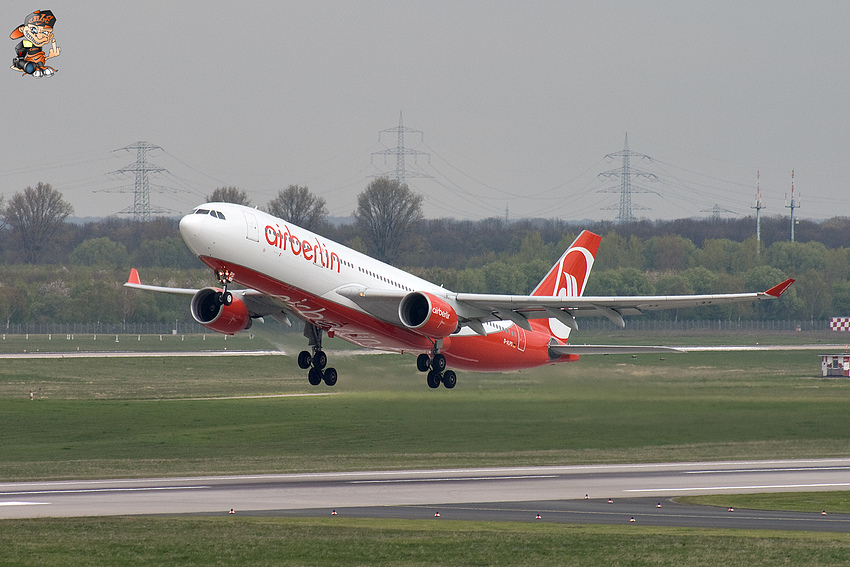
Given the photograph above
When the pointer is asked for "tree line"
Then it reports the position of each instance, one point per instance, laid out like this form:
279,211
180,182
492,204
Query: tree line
54,271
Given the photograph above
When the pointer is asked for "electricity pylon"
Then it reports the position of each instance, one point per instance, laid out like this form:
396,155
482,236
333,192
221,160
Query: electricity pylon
625,172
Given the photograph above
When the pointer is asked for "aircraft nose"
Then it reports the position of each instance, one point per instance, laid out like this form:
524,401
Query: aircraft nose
190,226
187,224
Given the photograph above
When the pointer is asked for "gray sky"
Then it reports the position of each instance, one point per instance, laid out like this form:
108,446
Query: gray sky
518,102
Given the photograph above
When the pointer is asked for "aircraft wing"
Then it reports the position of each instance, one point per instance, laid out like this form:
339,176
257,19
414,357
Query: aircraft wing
258,303
474,309
517,308
135,282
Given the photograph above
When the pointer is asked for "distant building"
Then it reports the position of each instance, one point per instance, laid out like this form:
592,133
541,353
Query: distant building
835,364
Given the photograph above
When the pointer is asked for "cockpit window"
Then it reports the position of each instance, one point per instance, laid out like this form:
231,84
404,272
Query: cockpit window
202,212
212,214
220,215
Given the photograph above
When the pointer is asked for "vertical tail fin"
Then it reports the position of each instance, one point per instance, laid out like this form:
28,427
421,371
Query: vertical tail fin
568,277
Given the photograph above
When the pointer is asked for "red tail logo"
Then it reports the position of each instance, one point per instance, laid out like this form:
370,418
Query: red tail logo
568,277
575,267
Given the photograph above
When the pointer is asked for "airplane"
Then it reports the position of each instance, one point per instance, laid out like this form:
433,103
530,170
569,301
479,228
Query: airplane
290,273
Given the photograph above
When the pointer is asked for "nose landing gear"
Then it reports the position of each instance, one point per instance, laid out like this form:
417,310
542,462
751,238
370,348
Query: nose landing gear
224,277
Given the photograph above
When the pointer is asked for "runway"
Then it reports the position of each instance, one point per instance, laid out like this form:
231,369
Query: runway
573,494
356,352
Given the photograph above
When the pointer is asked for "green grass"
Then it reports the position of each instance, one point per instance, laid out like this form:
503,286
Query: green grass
341,541
830,502
132,417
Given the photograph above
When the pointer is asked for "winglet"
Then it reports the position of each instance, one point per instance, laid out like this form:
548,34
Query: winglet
134,277
779,289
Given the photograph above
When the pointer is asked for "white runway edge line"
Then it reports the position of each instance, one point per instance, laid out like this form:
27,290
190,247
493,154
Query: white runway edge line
458,479
752,487
24,503
735,471
90,490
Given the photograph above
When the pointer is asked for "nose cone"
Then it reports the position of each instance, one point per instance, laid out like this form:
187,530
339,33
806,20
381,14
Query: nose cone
190,227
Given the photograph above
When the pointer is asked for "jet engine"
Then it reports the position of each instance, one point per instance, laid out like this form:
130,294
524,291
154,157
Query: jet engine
209,311
427,314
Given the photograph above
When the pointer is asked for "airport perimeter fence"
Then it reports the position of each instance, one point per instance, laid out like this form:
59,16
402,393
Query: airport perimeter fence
585,324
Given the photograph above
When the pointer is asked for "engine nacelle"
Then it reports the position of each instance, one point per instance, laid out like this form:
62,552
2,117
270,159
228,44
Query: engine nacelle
208,310
427,314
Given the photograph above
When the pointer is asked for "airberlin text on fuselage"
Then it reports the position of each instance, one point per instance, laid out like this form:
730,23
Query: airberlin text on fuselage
316,253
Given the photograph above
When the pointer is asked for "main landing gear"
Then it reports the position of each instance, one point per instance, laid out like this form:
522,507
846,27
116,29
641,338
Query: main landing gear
435,365
317,361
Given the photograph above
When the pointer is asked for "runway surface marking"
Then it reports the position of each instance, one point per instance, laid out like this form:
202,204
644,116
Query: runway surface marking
24,503
456,479
751,487
796,469
92,490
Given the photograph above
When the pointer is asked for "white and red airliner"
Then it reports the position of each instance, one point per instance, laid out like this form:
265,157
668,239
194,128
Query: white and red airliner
291,273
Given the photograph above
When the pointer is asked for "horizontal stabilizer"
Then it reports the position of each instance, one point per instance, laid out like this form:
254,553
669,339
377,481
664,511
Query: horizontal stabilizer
563,350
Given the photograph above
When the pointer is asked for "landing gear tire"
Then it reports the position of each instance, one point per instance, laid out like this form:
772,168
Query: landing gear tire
330,376
315,377
320,360
423,362
439,363
434,379
226,298
449,379
304,360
